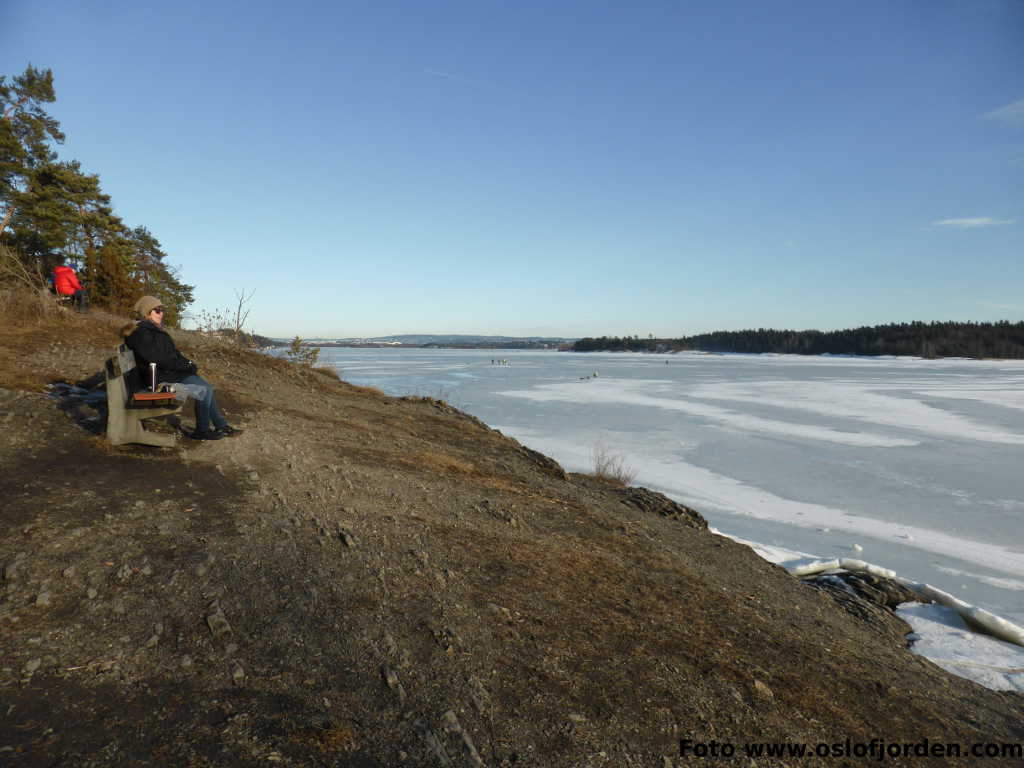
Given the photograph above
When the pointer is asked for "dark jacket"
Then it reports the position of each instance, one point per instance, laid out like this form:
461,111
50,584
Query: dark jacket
152,344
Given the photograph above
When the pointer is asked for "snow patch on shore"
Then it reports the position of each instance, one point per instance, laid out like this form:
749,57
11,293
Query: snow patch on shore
944,638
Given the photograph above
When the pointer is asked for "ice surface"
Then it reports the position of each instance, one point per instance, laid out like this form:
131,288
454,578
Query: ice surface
985,620
773,554
1008,398
945,639
994,581
885,401
621,392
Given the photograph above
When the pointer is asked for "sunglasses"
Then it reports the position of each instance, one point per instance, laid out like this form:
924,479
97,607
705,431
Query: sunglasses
159,309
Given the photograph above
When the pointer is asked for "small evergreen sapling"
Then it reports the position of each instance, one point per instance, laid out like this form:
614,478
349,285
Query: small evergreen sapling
302,355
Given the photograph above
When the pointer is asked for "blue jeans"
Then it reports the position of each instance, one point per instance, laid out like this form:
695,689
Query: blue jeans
200,390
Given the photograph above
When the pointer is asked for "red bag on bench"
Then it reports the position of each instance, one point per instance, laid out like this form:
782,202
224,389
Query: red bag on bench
152,397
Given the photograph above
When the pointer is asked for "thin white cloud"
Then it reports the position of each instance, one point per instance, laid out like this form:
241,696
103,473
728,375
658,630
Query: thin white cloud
450,76
1011,113
1001,306
972,223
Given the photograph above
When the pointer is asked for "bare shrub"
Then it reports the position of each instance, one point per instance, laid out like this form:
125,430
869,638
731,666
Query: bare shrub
14,272
447,396
611,468
227,323
23,293
241,314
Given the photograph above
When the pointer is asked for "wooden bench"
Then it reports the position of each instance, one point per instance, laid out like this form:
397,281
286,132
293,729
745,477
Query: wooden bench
129,402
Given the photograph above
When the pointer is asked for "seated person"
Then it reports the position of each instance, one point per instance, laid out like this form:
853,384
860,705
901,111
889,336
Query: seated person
65,283
151,343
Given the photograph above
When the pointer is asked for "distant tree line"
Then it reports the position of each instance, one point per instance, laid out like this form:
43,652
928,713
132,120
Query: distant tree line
52,212
937,339
486,345
629,344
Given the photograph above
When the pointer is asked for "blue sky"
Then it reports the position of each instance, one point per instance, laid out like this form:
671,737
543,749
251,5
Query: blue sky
555,168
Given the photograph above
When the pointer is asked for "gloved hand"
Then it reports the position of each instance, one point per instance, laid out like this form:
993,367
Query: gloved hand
193,369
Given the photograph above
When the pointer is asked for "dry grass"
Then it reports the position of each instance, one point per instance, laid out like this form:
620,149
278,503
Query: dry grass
330,373
611,468
358,390
23,307
26,310
442,462
24,327
24,298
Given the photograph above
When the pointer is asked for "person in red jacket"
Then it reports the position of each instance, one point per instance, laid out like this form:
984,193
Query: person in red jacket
65,282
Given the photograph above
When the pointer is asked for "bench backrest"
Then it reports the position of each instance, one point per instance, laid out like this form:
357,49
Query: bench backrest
129,383
123,373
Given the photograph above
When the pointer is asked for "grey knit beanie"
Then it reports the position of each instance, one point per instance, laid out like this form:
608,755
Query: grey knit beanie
146,304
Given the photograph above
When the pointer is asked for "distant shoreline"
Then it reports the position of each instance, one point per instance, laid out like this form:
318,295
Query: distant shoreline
569,348
496,345
436,341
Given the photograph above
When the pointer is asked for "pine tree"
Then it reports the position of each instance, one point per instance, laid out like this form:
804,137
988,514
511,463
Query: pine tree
157,278
53,211
26,135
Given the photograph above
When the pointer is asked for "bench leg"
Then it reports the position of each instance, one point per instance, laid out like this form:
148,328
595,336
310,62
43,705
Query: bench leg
127,427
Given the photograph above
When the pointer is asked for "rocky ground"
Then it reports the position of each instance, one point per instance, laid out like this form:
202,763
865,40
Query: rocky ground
359,580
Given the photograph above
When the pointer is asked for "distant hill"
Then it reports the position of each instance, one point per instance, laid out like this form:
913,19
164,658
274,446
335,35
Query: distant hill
441,340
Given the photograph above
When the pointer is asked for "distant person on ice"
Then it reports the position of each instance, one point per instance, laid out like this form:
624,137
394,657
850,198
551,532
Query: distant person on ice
65,283
151,343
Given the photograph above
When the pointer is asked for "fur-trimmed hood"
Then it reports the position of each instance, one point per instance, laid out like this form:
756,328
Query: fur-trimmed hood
128,329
